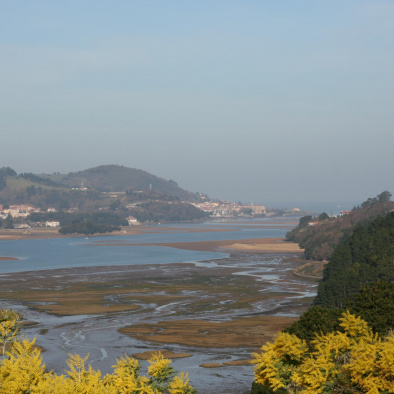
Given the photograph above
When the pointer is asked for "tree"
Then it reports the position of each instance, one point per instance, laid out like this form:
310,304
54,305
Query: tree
353,361
9,222
316,320
304,221
384,196
323,216
366,257
9,327
374,304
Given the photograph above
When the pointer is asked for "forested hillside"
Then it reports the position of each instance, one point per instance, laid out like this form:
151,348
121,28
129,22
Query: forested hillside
345,342
110,189
366,257
321,239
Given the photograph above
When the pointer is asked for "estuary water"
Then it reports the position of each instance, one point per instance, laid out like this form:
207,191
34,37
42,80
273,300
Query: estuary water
55,253
56,264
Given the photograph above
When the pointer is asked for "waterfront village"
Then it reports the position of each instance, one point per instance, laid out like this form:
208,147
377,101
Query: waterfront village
217,209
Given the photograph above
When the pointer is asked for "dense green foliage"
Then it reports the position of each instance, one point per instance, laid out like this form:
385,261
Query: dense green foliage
174,212
4,172
65,218
316,320
366,257
320,241
38,179
375,305
88,228
359,278
8,222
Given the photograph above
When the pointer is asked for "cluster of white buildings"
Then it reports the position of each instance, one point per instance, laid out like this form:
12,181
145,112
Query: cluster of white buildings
225,208
17,211
22,211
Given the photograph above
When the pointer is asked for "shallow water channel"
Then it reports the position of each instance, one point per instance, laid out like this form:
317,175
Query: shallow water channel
217,288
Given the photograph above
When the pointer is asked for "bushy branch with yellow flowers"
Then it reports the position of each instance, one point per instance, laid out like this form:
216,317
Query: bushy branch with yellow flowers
9,327
352,361
22,371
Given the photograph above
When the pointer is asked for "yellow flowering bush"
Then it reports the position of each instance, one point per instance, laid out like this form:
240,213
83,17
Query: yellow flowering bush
22,370
354,360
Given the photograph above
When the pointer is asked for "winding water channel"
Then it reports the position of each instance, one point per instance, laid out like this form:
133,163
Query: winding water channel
210,286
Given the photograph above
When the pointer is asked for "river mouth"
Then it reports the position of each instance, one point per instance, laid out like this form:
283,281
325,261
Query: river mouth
218,311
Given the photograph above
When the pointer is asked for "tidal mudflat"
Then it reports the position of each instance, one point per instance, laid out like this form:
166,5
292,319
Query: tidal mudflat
216,311
207,314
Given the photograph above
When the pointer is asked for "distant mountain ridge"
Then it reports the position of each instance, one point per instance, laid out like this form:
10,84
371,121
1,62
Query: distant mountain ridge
116,178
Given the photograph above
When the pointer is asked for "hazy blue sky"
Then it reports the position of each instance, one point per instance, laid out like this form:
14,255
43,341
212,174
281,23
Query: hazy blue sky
270,101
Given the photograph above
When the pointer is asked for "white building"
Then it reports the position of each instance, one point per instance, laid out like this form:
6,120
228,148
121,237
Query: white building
133,221
52,224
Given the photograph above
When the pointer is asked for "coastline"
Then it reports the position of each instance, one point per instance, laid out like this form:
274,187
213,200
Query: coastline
255,245
47,232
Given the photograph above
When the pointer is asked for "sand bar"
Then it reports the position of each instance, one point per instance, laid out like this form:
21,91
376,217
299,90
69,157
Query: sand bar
255,245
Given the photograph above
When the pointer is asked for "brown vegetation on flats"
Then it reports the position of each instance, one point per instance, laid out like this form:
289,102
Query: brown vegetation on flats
212,365
245,332
166,354
70,302
186,289
237,362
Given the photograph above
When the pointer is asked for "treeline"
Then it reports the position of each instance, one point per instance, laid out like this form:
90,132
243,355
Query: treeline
321,239
348,332
67,219
38,179
88,228
165,212
4,172
366,257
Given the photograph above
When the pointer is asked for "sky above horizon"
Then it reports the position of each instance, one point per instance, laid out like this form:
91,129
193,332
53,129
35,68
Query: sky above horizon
264,101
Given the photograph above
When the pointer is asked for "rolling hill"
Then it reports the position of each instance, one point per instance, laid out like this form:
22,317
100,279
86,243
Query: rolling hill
115,178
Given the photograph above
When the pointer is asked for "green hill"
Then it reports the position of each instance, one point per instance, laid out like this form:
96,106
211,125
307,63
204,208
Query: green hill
112,188
115,178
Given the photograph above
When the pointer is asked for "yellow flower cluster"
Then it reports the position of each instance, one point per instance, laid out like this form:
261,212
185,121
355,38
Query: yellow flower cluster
22,371
351,361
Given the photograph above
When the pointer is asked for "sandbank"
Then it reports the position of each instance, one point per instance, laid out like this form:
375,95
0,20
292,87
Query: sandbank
255,245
